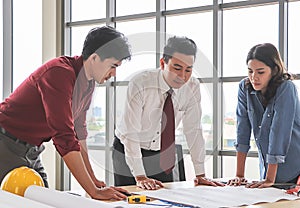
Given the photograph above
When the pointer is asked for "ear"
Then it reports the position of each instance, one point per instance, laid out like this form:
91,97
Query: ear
93,56
162,63
275,71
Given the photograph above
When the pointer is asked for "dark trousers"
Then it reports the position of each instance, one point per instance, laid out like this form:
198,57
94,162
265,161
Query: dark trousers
122,173
15,153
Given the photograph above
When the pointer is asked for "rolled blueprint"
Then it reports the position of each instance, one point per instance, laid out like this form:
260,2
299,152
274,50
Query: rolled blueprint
10,200
60,199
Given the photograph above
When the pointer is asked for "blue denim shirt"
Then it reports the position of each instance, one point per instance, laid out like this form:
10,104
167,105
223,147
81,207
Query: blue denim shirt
276,129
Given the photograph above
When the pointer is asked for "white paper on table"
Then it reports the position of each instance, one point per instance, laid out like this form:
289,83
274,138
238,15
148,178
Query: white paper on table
212,197
61,199
10,200
151,204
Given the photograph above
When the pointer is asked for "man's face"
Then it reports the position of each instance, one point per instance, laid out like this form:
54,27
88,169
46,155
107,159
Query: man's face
104,69
178,70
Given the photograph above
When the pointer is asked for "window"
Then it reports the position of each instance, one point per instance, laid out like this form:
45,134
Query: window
27,39
293,37
96,9
143,52
178,4
202,34
254,25
134,7
242,25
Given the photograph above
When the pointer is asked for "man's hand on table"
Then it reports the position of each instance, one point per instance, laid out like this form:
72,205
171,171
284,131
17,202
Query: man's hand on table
202,180
109,193
148,183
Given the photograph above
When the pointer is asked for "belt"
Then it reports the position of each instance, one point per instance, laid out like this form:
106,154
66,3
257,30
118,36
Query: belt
12,137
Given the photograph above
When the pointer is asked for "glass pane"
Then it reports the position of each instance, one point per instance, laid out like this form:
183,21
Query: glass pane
87,9
1,51
78,36
204,40
207,113
230,91
96,118
134,7
97,159
253,25
293,37
189,167
251,167
142,37
178,4
27,39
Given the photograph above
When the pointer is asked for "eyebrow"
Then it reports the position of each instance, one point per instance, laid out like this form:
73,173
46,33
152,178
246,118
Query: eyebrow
178,65
259,69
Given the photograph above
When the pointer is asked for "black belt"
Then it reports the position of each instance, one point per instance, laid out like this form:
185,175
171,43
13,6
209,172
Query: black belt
12,137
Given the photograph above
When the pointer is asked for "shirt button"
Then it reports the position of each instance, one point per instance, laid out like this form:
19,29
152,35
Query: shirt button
157,132
269,115
259,126
153,140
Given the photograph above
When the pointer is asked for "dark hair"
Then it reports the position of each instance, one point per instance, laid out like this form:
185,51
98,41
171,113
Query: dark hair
181,45
269,55
107,42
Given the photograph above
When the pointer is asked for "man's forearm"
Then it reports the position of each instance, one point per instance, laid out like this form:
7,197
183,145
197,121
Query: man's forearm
76,165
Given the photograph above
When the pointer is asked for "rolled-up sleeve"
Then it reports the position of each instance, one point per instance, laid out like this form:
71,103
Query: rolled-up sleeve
56,92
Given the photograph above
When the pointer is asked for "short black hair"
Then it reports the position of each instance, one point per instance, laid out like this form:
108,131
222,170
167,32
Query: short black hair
178,44
107,42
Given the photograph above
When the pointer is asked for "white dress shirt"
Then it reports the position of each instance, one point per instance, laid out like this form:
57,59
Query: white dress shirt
140,125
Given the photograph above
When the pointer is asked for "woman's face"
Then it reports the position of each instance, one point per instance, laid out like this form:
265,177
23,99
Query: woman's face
259,75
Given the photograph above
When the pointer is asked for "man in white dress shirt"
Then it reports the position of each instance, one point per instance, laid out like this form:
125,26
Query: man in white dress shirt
136,149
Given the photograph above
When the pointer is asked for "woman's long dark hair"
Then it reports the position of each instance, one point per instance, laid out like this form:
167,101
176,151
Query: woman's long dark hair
269,55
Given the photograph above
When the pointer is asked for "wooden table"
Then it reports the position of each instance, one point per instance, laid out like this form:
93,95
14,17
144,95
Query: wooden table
189,184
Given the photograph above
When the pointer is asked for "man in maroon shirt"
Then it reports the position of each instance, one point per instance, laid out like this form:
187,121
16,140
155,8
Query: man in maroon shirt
52,104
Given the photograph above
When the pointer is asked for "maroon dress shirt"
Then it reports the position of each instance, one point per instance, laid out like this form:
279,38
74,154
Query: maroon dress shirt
50,104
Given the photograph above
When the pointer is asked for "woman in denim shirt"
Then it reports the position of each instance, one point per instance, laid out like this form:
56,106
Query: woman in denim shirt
268,105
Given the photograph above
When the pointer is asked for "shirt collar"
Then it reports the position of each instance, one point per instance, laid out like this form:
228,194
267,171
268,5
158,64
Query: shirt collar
163,85
85,83
254,92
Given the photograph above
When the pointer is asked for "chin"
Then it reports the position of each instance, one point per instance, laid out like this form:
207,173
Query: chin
257,88
177,85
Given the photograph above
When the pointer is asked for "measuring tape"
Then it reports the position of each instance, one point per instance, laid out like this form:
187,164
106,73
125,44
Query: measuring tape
136,199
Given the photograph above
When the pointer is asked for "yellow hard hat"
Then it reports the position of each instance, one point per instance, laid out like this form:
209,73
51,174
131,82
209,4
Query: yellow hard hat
17,180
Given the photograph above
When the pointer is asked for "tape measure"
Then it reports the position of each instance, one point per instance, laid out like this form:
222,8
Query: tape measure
136,199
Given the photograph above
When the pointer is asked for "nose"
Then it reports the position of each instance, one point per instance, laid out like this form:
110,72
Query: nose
181,74
254,76
113,72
